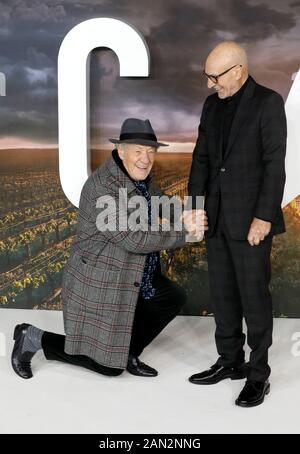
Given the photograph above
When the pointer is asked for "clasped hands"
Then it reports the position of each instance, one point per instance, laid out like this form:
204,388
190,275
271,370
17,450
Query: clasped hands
195,221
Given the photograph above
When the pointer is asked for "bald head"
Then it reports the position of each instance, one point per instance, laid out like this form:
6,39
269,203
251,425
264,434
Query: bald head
226,55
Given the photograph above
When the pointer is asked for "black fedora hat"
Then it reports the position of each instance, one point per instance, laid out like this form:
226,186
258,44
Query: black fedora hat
134,130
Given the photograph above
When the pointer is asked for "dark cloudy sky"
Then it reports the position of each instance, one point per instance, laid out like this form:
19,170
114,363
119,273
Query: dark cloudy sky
179,34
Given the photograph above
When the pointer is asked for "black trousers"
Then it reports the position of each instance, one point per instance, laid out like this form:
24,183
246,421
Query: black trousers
151,317
239,277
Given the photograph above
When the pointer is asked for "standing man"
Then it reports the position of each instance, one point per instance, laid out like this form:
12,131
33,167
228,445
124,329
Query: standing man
238,165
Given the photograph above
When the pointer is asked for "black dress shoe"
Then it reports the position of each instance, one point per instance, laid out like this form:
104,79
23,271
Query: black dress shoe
21,361
136,367
217,373
253,393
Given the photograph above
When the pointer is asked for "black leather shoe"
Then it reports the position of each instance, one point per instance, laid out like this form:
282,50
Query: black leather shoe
253,393
136,367
217,373
21,361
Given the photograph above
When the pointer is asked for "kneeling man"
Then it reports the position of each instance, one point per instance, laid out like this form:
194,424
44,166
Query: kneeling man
115,299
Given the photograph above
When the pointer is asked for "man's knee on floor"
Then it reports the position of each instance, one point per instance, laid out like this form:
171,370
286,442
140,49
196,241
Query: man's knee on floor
116,372
109,371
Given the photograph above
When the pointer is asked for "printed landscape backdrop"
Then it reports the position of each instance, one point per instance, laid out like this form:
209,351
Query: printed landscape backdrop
37,222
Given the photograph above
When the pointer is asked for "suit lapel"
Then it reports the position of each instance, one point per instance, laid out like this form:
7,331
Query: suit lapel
241,115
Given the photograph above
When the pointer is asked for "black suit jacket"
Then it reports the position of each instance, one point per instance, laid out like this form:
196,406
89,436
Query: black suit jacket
250,178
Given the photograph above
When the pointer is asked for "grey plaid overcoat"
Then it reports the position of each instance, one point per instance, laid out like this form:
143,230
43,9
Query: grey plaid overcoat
102,276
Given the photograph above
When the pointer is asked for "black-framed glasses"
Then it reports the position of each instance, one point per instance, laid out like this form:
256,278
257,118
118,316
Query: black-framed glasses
215,77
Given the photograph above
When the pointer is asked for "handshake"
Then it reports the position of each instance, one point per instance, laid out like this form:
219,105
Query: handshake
195,221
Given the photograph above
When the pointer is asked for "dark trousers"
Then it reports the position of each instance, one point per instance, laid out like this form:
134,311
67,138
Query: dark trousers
239,277
151,317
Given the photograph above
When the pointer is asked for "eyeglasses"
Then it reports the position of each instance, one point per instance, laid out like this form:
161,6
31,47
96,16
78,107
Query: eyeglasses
215,78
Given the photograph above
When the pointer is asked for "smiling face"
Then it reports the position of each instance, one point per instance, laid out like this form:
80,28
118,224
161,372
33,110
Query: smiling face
223,57
229,83
137,159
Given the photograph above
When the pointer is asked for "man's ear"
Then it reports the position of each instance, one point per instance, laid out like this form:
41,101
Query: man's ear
239,73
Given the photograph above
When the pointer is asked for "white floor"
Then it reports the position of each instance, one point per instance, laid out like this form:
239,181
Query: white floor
67,399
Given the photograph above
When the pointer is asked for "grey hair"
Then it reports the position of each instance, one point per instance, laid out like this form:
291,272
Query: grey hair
122,145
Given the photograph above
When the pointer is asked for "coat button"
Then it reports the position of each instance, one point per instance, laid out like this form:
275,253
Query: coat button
83,259
222,169
136,284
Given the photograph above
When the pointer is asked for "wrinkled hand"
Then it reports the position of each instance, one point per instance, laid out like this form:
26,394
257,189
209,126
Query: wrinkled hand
195,221
259,229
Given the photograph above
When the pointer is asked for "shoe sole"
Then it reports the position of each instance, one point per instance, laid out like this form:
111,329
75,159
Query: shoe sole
16,332
15,336
254,404
213,382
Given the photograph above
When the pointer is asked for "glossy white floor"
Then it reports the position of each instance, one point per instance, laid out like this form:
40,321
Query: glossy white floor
66,399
